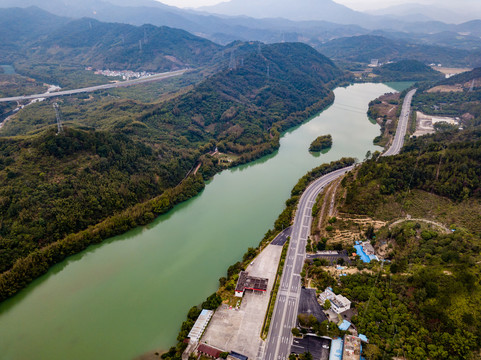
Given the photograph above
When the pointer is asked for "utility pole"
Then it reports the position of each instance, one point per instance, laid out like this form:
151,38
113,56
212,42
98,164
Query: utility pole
232,63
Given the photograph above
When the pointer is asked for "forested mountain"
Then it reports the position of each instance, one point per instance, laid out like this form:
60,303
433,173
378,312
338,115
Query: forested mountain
120,46
366,47
242,105
140,152
37,37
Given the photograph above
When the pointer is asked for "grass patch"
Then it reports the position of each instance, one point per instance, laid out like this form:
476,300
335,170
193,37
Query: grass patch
275,290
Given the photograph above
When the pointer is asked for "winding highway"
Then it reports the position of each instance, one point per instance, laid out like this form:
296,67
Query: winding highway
126,83
285,310
287,302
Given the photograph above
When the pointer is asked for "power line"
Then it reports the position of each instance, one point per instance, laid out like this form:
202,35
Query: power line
59,119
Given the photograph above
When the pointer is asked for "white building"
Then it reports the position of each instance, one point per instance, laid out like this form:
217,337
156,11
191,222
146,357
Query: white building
339,303
201,323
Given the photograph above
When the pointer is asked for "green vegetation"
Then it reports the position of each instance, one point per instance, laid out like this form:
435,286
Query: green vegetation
17,85
323,142
364,48
465,103
407,70
446,164
57,50
100,45
120,163
275,290
423,303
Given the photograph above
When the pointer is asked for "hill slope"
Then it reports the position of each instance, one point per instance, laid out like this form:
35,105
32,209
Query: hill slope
274,86
120,46
407,70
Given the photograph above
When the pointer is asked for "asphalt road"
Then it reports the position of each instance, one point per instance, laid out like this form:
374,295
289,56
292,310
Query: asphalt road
285,311
287,302
282,237
398,141
126,83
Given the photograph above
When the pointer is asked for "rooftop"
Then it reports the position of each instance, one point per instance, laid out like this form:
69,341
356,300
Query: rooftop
200,325
250,282
352,348
344,325
209,351
336,349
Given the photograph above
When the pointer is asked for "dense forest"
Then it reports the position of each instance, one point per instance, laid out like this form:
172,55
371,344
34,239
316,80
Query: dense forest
446,163
247,106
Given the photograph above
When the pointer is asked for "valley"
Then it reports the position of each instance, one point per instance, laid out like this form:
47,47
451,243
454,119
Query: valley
145,147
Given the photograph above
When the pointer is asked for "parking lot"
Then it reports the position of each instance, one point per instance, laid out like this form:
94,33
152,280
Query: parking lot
239,330
318,347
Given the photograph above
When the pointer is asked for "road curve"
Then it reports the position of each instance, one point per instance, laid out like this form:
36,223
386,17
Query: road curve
126,83
287,302
285,310
398,141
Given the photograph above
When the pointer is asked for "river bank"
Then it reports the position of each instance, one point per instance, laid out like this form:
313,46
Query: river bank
137,287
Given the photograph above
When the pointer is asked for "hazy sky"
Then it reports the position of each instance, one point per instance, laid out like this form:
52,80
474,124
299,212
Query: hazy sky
354,4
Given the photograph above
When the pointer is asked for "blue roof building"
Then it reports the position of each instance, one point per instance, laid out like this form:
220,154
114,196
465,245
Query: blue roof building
344,325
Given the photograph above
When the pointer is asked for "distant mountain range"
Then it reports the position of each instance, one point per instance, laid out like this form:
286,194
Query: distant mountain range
323,20
421,12
34,36
300,10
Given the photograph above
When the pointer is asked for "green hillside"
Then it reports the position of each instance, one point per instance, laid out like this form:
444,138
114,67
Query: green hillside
407,70
423,303
119,162
57,50
364,48
120,46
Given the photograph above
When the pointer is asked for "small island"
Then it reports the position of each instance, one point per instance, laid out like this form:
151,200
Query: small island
321,143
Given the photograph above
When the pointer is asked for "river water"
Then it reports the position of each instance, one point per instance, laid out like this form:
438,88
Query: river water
130,294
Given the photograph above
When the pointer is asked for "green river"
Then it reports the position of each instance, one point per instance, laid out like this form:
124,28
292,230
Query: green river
130,294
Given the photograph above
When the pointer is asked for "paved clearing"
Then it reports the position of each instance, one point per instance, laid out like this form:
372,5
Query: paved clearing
239,330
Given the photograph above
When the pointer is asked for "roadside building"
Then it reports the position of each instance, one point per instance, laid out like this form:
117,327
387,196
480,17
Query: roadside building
344,325
209,351
336,349
339,303
352,348
200,325
246,282
365,251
